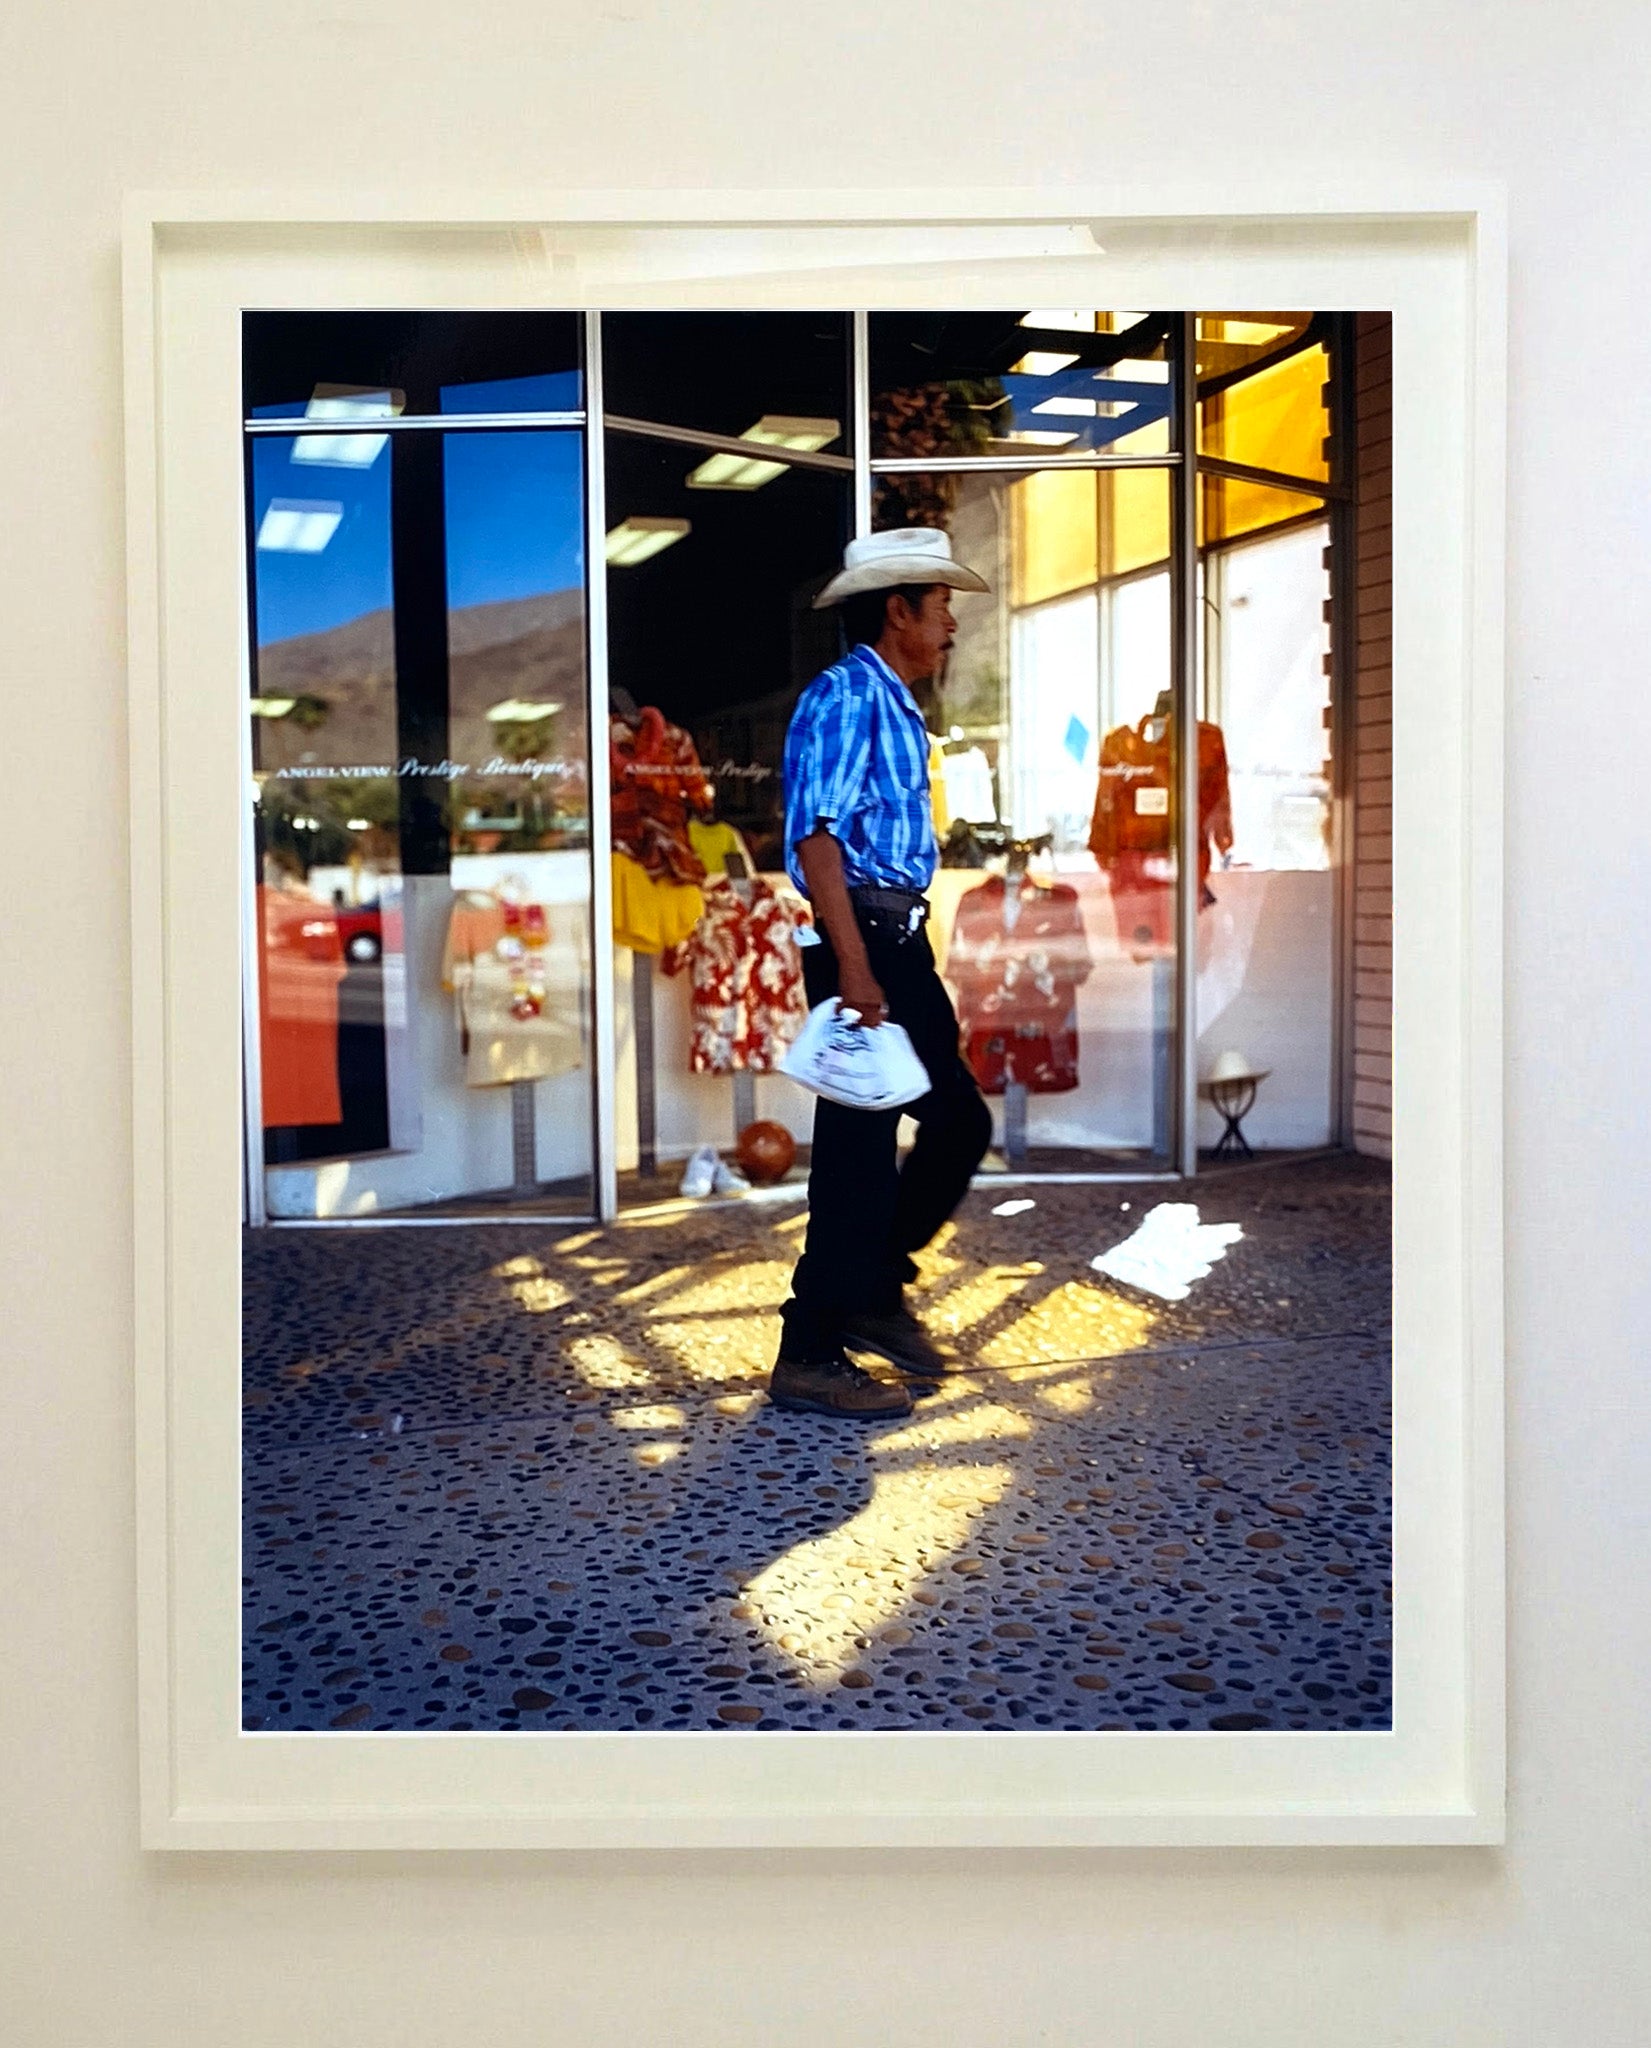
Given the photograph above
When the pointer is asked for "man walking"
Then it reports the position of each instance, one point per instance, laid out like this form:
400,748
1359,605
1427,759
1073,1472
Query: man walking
860,845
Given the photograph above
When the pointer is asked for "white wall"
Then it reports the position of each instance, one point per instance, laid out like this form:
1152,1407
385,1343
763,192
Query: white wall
1539,1944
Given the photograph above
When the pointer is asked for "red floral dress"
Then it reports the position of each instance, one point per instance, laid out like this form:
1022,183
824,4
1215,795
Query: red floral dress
747,977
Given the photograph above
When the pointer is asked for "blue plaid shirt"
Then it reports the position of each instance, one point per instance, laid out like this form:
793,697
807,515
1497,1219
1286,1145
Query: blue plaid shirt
857,760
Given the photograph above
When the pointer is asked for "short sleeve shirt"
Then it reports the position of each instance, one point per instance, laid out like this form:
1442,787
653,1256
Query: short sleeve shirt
857,762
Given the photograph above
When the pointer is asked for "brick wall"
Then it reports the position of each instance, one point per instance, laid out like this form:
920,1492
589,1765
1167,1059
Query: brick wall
1371,1048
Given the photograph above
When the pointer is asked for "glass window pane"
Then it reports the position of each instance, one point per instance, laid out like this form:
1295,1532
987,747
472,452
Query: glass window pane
711,626
323,756
1058,784
1046,381
421,762
772,378
298,365
1266,944
1273,417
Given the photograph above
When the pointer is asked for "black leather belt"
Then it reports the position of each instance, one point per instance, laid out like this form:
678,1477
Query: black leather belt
906,910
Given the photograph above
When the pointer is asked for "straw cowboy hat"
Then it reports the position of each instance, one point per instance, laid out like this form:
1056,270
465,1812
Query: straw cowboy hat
908,554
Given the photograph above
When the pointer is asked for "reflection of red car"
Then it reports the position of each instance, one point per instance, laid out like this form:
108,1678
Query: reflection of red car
361,931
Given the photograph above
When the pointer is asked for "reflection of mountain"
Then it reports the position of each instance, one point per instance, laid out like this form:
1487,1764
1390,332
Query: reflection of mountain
530,647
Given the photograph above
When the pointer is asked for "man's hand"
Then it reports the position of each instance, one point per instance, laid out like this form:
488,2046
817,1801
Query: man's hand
821,860
860,991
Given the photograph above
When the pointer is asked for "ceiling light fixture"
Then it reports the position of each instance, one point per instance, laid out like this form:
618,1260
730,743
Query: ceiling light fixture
1041,362
730,472
636,539
344,402
521,711
1085,408
1138,370
271,707
298,526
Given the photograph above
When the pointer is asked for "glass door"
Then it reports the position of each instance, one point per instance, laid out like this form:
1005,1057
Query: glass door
1041,441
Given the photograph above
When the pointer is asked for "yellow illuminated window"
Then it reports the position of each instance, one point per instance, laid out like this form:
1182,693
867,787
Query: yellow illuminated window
1053,521
1277,420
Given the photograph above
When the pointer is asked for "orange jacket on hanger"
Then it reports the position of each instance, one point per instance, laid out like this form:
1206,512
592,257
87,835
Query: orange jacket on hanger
303,963
657,781
1133,804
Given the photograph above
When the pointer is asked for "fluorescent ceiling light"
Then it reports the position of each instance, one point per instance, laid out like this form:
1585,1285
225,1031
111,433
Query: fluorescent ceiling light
272,707
1041,362
298,526
1086,408
1138,370
1039,437
521,711
730,472
357,825
340,402
635,540
1056,316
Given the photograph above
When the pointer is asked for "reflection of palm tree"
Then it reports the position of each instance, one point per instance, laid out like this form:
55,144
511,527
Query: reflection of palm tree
929,419
309,711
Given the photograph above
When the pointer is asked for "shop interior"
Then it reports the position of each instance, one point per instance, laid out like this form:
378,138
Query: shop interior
530,598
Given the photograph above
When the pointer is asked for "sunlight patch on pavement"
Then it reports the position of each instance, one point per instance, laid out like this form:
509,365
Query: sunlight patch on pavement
518,1269
604,1362
663,1415
974,1299
1076,1320
539,1297
1068,1397
822,1597
985,1422
576,1243
754,1283
721,1348
653,1284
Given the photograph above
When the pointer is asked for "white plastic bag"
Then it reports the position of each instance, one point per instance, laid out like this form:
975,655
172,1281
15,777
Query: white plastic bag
837,1057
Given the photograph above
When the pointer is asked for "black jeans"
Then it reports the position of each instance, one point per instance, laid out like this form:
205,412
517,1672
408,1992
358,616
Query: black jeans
866,1213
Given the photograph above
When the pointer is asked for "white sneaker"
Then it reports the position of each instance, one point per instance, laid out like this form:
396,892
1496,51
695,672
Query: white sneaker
727,1181
699,1175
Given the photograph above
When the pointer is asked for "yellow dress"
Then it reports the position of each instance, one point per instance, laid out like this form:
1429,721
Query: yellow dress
714,843
651,912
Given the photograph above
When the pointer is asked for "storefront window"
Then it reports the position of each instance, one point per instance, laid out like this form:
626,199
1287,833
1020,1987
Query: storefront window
423,761
1054,909
420,759
1266,944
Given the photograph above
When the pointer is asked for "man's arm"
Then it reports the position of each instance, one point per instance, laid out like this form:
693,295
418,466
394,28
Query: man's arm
821,860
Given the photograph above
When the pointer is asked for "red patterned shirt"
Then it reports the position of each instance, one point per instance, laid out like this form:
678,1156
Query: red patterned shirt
747,977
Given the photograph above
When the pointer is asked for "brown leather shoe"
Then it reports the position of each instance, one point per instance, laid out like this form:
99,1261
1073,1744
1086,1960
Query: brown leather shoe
834,1386
902,1340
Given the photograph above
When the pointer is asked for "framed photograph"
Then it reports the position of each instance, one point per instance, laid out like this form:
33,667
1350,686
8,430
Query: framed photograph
567,1416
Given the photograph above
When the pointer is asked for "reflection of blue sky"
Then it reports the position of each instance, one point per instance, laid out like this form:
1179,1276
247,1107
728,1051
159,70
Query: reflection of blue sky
554,393
310,593
515,525
515,515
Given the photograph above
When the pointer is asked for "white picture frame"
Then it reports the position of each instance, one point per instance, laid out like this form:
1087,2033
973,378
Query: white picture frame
1436,259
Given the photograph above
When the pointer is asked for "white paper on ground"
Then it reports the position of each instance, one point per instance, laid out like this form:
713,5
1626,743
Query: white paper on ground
1169,1250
